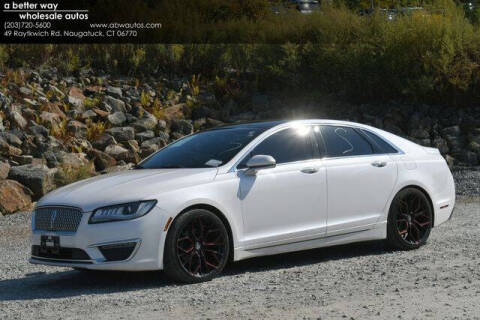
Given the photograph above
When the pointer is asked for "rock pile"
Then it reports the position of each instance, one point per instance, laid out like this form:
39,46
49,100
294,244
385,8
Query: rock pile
92,123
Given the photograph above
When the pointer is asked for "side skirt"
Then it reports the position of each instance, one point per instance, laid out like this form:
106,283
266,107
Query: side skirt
377,233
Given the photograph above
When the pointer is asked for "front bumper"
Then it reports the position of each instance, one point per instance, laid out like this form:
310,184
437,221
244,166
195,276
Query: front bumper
145,234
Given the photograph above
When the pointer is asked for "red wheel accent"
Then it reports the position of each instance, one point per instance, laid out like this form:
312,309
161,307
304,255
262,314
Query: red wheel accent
412,220
201,247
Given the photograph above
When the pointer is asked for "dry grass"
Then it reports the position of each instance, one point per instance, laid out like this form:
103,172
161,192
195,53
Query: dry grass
194,85
60,131
95,129
145,99
157,110
91,103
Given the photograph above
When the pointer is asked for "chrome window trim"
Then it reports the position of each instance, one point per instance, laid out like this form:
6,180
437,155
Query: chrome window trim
399,151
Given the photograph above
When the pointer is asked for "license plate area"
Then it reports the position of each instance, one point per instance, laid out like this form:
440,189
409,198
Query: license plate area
50,244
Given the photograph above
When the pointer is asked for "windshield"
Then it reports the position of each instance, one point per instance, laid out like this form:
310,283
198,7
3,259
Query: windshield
202,150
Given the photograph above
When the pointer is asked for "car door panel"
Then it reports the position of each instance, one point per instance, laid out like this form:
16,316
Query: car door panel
360,179
287,202
358,191
282,204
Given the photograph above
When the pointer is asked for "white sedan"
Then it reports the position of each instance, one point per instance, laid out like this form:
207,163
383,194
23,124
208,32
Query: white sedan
247,190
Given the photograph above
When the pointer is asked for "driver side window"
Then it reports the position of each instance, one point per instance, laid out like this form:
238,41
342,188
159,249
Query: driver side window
285,146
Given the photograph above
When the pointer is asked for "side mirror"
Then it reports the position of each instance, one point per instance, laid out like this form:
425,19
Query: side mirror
259,161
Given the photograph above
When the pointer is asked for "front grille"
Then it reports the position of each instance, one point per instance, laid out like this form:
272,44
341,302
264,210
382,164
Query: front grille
57,219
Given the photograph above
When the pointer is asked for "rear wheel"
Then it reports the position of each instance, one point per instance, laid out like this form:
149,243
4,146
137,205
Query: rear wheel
410,219
197,247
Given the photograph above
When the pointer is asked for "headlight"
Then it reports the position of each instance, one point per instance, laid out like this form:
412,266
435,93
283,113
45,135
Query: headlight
120,212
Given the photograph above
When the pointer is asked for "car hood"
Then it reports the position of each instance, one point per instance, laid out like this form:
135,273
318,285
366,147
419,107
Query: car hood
125,186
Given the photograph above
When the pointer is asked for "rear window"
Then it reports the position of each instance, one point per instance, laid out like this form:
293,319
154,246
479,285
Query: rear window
344,142
381,146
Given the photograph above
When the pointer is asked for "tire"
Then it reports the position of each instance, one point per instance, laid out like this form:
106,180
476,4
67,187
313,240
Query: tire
410,220
197,247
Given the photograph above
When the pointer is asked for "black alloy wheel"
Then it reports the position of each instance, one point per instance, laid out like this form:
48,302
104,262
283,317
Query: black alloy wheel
410,219
197,247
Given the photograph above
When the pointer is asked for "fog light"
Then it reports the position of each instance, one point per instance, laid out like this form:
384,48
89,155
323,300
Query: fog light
117,251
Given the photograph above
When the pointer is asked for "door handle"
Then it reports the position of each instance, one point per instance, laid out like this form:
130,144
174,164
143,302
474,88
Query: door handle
309,170
379,164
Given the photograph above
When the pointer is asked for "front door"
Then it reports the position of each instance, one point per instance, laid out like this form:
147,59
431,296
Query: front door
286,203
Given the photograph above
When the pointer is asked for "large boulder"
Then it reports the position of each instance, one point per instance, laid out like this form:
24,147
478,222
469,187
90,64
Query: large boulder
183,126
103,141
55,108
50,118
102,160
72,160
17,119
147,122
117,118
12,139
419,133
122,134
101,113
76,97
39,130
77,128
89,115
118,152
114,91
155,143
48,144
145,135
4,169
14,197
474,135
117,105
38,178
7,149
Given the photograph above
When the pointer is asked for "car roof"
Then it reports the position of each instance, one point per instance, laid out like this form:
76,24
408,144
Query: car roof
271,124
251,125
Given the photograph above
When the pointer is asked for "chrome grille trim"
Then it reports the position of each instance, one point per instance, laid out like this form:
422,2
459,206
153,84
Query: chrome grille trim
63,219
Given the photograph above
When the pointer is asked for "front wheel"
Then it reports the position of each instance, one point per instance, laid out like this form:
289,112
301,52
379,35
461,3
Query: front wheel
197,247
410,220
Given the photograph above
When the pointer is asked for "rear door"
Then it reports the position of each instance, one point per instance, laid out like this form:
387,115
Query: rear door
360,179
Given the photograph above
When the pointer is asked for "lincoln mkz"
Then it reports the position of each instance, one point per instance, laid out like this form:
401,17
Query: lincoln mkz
247,190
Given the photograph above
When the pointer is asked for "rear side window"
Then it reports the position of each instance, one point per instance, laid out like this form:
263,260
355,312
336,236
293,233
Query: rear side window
288,145
344,142
381,145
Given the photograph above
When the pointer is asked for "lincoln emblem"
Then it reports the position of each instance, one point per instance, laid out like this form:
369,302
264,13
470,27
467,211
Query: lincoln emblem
52,219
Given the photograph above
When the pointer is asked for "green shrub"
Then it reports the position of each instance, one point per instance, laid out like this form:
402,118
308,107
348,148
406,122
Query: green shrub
430,56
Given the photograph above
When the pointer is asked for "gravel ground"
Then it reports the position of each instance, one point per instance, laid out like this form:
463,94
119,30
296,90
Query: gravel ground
439,281
467,181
